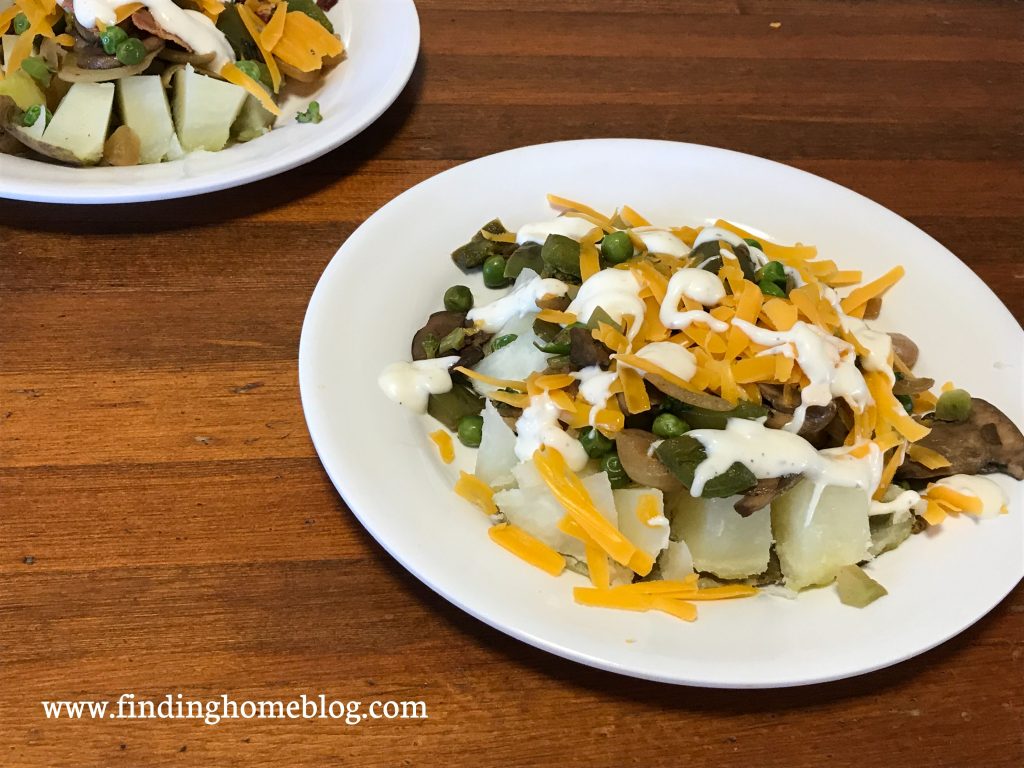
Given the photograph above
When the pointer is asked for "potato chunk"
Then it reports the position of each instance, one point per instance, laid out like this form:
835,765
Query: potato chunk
719,539
813,545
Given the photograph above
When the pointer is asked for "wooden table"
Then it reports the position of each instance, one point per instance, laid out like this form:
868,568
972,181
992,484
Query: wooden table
166,526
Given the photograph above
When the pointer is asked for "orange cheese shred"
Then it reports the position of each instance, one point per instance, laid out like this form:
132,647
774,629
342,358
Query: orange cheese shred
519,386
554,316
590,261
274,31
445,448
632,218
254,26
891,410
477,492
633,389
510,398
305,43
572,495
124,11
784,253
538,383
756,369
927,457
860,296
610,337
526,547
956,500
234,75
626,601
571,205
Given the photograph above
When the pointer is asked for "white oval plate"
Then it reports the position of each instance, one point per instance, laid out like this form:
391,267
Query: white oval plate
390,275
382,39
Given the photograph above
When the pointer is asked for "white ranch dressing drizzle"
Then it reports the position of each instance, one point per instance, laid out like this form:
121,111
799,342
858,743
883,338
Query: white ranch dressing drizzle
568,226
617,292
698,285
519,302
195,29
538,425
774,453
828,362
669,356
658,240
993,499
899,506
595,386
709,234
877,343
409,384
756,254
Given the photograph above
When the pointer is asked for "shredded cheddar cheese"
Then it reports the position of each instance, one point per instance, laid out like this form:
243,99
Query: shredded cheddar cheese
476,491
526,547
445,448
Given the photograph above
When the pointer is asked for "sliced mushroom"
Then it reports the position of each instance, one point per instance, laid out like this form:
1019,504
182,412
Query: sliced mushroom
905,349
633,446
438,325
987,442
784,402
74,71
175,56
696,399
585,350
911,386
761,495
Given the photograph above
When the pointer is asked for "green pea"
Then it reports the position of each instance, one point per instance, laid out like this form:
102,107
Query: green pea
112,37
131,52
768,288
617,247
954,405
471,431
458,298
31,115
612,467
754,243
250,68
669,425
595,444
503,341
494,272
21,23
773,271
907,402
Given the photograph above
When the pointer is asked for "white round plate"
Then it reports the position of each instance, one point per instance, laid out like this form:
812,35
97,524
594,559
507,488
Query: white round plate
391,274
382,39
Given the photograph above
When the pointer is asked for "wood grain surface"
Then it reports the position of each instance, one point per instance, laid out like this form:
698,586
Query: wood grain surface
166,526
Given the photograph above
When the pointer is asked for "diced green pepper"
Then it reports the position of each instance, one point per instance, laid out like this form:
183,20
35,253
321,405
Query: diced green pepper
682,455
856,588
523,257
562,253
449,407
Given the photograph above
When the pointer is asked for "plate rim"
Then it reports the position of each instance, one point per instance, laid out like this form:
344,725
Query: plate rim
336,470
219,180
